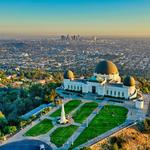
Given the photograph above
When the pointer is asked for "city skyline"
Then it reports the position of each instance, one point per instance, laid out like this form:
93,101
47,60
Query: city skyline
44,18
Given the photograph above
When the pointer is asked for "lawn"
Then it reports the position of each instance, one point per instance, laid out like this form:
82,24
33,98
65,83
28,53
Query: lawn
81,114
61,135
108,118
41,128
70,106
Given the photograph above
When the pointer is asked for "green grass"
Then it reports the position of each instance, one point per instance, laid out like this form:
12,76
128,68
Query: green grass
81,114
108,118
41,128
70,106
61,135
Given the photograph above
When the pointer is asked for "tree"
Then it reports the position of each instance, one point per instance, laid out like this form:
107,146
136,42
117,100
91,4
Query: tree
86,148
47,99
9,129
147,124
2,116
3,120
22,123
115,146
53,94
36,90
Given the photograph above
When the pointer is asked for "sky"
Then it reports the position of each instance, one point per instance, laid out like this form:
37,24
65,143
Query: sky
85,17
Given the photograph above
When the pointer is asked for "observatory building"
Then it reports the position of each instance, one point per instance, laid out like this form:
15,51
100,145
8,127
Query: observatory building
104,82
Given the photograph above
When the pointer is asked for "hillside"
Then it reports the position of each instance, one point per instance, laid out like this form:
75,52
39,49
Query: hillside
129,139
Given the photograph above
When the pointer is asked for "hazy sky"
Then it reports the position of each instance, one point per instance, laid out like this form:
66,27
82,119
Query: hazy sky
89,17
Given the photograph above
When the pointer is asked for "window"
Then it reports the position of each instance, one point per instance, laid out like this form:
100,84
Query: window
68,87
75,87
107,92
118,93
122,94
110,92
114,92
71,87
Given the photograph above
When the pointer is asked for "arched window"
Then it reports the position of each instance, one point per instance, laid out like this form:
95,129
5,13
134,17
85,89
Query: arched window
110,92
107,92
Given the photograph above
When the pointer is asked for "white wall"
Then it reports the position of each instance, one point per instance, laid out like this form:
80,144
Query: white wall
114,77
125,91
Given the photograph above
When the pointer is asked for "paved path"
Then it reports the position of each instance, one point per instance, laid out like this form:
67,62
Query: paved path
106,134
36,111
19,136
83,126
133,115
83,102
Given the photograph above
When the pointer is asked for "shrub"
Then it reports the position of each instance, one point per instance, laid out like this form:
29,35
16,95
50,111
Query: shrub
117,140
113,140
85,148
115,146
23,123
9,129
147,124
33,117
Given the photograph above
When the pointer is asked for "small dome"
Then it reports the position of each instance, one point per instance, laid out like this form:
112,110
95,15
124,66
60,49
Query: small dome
129,81
106,67
69,75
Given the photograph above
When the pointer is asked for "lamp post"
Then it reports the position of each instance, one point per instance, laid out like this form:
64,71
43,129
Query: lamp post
87,123
71,140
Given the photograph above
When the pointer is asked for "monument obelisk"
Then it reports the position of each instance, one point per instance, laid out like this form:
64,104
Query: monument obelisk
63,119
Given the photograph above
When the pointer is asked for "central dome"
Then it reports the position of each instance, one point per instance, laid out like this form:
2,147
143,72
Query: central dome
106,67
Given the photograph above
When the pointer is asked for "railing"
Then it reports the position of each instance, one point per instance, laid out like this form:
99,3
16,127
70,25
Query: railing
126,125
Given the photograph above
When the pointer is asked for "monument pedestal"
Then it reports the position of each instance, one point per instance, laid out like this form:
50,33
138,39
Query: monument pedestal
63,119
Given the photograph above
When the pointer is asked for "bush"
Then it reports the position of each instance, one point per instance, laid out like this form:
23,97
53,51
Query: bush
113,140
23,123
117,141
147,124
9,129
45,111
115,146
33,117
86,148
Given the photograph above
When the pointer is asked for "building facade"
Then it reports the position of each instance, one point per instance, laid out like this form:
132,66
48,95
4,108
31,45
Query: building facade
104,82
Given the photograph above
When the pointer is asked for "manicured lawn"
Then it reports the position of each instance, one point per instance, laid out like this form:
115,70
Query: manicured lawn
41,128
70,106
82,113
108,118
62,134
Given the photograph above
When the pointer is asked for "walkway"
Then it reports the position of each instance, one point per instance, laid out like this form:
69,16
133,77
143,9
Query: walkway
35,111
45,137
106,134
84,125
133,115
